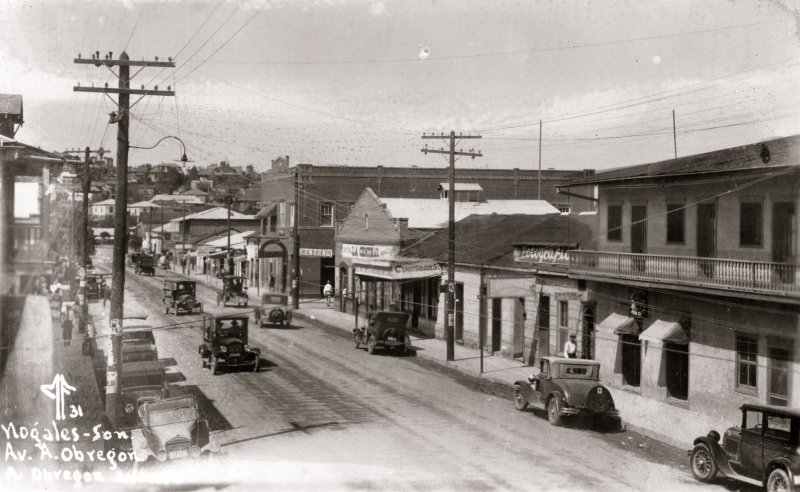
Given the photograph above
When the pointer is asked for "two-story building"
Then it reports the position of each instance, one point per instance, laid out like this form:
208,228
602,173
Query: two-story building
695,278
326,194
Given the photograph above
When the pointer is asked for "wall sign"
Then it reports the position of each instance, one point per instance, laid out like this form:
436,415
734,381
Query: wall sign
541,254
369,251
316,252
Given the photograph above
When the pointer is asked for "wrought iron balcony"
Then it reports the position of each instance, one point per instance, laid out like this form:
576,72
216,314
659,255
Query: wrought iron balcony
750,276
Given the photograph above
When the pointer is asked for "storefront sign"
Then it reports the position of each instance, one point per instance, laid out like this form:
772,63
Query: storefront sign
566,296
510,287
424,267
369,251
401,271
541,254
316,252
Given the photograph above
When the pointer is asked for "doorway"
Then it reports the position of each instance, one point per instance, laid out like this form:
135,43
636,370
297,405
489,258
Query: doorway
327,273
497,324
543,324
677,366
706,236
588,333
779,355
639,234
459,308
783,239
631,359
519,327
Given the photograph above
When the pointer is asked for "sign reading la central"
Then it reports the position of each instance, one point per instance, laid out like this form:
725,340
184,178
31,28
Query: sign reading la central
373,252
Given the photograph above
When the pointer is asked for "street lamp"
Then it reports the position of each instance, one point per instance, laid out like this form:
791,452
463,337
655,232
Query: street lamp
183,158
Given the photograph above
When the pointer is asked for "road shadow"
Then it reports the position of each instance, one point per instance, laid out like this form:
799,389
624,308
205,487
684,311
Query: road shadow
168,362
208,411
582,422
175,377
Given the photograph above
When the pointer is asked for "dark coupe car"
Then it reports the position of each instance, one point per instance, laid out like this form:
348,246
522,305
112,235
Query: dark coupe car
225,343
385,329
762,452
567,387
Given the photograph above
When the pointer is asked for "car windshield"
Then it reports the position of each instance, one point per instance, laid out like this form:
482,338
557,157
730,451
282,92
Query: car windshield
172,416
575,371
145,380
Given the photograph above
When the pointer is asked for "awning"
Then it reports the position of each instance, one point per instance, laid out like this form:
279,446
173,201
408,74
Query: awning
265,211
401,270
620,325
666,331
217,254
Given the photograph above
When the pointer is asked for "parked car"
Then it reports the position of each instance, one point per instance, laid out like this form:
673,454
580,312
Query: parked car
180,296
225,343
233,291
138,343
171,429
274,310
145,264
762,452
139,383
385,329
567,387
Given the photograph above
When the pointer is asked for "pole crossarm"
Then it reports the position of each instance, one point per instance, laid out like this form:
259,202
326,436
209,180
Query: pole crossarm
451,152
113,90
428,137
124,63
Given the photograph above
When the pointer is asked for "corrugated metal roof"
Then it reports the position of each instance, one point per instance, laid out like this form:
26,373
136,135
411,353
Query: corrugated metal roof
144,204
236,240
215,213
462,186
432,213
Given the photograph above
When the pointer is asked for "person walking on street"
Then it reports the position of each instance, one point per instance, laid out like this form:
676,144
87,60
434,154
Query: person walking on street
271,283
106,293
571,348
327,291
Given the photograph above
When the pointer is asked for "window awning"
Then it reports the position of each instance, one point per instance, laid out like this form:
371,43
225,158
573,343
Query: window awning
265,211
401,270
620,325
666,331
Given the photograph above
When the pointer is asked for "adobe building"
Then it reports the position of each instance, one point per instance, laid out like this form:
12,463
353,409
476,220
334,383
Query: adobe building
326,194
695,278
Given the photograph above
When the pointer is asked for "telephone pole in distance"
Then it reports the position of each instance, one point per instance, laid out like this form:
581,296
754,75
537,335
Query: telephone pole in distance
122,118
450,297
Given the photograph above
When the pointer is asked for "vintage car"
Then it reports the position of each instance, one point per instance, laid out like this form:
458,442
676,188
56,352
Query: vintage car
274,310
225,343
385,329
567,387
140,382
145,264
233,291
138,343
180,296
762,452
171,429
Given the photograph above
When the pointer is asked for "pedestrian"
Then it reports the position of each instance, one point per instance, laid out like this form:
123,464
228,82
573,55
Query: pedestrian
271,283
571,348
183,264
106,293
327,291
58,299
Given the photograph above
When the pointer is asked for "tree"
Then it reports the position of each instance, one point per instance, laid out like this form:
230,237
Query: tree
193,174
250,168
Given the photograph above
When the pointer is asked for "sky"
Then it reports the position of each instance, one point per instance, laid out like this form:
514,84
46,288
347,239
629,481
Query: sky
357,82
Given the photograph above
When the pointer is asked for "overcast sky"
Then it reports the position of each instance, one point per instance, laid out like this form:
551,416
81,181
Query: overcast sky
357,82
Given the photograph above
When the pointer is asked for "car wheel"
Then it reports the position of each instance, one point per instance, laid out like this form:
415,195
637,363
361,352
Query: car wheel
778,481
213,363
520,402
371,345
703,467
166,308
554,411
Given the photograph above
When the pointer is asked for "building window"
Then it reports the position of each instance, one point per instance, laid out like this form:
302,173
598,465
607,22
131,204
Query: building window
746,362
750,224
366,222
281,214
291,215
563,314
676,215
614,230
564,209
326,215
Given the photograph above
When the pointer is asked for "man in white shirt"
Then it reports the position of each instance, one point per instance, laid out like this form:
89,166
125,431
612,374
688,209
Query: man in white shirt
327,291
571,348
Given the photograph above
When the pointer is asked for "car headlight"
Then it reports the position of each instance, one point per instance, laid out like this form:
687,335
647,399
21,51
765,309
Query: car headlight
129,408
223,349
161,455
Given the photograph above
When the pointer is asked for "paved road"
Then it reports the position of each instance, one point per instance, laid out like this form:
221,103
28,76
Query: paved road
324,414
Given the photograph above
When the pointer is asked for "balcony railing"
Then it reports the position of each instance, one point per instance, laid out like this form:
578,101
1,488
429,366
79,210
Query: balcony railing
751,276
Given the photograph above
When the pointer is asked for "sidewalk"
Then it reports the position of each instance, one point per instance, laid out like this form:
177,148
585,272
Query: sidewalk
661,421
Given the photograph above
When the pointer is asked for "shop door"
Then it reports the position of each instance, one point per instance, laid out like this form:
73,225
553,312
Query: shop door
459,328
543,322
519,327
779,354
497,324
327,273
706,236
631,359
677,370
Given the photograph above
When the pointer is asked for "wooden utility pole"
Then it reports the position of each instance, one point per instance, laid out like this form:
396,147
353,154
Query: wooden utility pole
539,178
296,252
122,118
449,319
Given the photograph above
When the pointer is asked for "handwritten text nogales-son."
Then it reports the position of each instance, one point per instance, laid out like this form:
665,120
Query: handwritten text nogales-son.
54,433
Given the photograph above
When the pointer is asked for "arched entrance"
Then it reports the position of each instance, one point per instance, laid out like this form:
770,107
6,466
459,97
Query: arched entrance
272,266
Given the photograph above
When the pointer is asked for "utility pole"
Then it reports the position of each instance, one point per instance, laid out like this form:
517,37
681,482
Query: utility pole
539,179
122,117
296,252
183,238
449,319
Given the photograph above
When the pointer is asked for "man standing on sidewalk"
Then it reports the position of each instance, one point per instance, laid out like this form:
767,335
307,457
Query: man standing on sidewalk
106,293
327,291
